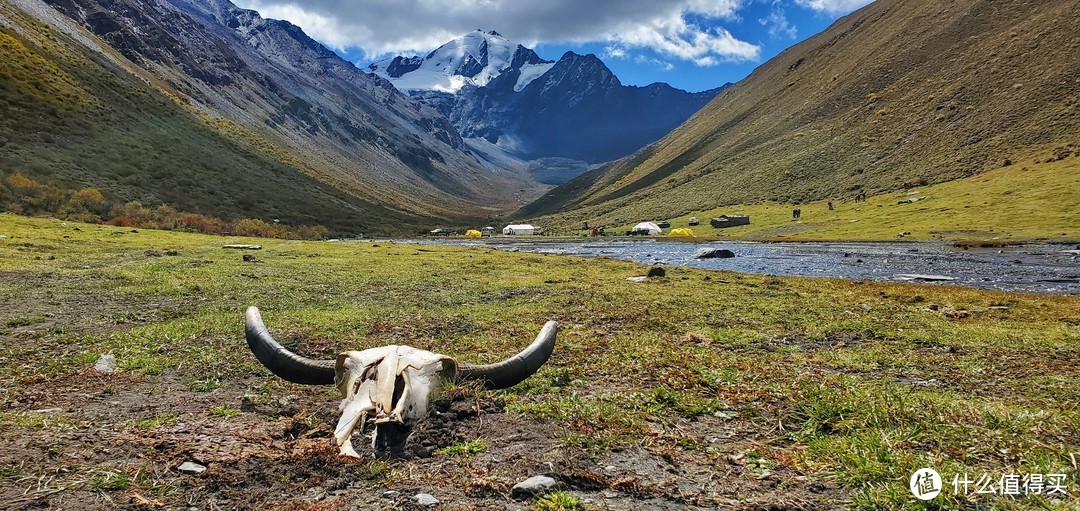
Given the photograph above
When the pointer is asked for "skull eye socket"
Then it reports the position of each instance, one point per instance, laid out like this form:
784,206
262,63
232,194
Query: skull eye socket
399,389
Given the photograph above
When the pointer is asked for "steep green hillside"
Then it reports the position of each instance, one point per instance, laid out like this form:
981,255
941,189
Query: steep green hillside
902,91
72,117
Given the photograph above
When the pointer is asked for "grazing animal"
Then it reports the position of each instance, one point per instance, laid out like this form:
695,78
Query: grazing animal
391,385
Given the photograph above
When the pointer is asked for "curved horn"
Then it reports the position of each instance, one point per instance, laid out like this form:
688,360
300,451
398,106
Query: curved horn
515,369
280,361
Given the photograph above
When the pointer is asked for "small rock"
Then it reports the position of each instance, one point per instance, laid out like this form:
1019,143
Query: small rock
243,247
425,499
250,258
866,307
47,410
637,279
106,364
172,253
391,494
534,485
3,236
713,253
190,467
656,271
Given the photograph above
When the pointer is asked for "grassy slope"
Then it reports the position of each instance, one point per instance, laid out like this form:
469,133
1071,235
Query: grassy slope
831,381
898,91
74,119
1020,202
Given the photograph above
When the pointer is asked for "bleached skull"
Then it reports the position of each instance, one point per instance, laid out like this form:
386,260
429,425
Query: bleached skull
393,385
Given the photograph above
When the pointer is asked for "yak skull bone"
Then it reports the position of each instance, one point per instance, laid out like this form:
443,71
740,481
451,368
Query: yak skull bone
391,385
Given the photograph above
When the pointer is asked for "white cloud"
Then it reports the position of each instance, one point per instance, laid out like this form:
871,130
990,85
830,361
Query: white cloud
679,29
833,7
662,65
777,24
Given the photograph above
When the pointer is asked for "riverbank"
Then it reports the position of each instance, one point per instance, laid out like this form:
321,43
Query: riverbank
697,390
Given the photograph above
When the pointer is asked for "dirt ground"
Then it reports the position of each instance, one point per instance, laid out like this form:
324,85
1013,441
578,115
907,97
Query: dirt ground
277,455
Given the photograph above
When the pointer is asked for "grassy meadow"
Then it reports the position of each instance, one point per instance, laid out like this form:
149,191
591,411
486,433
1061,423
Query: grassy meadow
1020,202
701,389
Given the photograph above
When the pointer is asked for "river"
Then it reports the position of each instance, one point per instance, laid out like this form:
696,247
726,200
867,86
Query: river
1038,268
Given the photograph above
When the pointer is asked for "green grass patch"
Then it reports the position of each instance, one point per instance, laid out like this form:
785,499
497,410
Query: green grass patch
157,421
464,449
558,501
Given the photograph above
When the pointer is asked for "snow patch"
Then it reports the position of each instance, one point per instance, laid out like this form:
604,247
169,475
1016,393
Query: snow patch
530,72
443,68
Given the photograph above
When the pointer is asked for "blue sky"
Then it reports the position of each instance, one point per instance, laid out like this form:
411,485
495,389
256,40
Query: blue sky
690,44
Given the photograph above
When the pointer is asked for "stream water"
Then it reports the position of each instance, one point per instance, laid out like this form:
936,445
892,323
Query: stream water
1038,268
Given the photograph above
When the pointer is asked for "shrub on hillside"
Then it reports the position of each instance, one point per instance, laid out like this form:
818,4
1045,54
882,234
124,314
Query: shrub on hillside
25,196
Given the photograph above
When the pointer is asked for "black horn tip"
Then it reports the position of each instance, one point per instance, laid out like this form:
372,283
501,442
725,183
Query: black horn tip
517,368
280,361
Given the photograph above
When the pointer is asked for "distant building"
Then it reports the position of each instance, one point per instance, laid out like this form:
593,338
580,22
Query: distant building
521,230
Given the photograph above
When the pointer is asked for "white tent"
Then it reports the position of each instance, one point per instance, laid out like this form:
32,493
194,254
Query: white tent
520,230
647,228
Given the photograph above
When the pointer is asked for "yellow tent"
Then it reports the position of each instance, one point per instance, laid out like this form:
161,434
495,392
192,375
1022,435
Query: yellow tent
473,233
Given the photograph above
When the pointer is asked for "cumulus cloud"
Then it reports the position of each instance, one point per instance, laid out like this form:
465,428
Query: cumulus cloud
833,7
678,29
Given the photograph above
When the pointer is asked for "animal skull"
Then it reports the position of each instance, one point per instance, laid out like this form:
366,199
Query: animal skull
392,385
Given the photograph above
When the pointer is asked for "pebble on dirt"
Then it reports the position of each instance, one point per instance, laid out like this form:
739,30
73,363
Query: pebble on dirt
425,499
535,485
190,467
106,364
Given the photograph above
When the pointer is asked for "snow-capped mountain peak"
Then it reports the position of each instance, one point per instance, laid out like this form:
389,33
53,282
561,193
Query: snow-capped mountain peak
473,59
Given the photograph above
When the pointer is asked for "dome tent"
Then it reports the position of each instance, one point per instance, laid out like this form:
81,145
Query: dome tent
646,228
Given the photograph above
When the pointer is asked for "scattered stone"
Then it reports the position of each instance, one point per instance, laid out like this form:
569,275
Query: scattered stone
425,499
713,253
250,258
866,307
190,467
77,229
3,236
391,494
535,485
243,247
47,410
172,253
134,231
152,253
637,279
656,271
106,364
